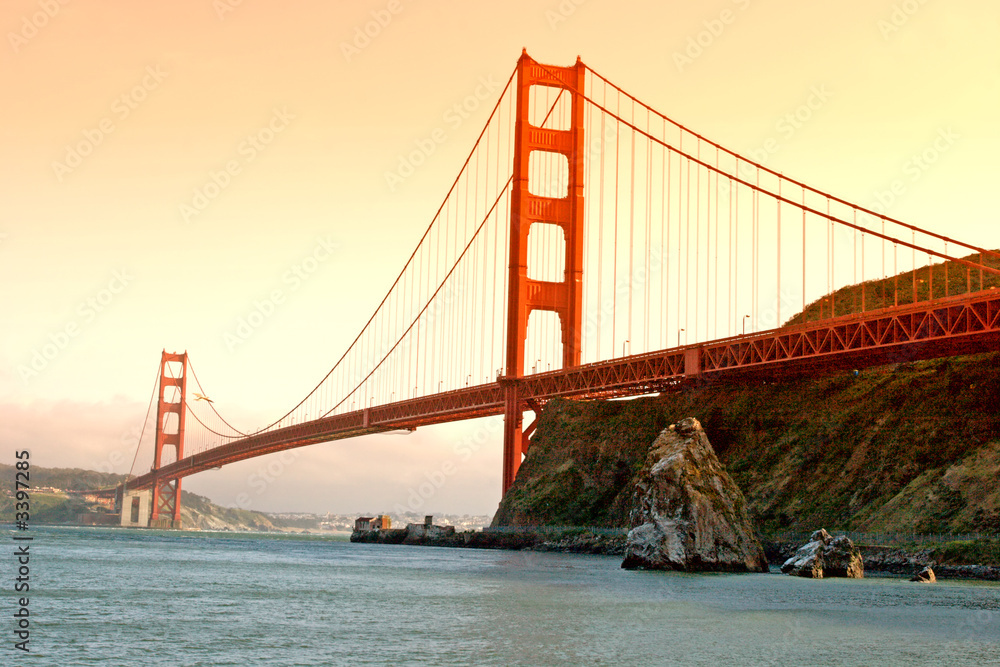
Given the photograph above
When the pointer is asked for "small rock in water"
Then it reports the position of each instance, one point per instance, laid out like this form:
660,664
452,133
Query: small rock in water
925,576
828,556
688,513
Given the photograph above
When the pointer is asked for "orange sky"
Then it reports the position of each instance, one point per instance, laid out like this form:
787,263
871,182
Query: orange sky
99,256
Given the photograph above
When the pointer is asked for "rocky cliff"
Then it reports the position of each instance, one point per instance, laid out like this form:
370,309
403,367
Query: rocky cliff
909,447
687,513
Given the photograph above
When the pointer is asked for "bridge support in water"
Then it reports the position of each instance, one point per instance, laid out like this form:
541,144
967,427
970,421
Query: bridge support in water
134,508
165,510
565,298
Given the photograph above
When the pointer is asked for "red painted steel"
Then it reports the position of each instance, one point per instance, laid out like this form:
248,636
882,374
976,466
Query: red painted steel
167,488
564,298
964,324
961,324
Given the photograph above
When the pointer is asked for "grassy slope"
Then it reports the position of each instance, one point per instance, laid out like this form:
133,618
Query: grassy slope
910,447
65,478
946,278
915,446
49,508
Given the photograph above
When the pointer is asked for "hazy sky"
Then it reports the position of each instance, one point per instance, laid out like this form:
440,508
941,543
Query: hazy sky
116,115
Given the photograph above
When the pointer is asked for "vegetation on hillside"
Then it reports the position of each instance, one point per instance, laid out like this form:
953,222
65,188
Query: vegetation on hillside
66,478
935,281
55,507
909,447
984,552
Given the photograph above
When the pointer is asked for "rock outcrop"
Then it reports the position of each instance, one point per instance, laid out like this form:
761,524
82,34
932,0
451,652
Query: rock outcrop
417,533
688,514
925,576
826,556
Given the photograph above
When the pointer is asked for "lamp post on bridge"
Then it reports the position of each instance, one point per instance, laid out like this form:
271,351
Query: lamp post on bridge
679,337
745,318
624,343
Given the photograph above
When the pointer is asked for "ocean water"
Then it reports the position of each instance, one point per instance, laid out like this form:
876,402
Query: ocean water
132,597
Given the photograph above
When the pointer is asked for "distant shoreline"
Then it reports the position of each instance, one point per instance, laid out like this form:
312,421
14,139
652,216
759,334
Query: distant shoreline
879,561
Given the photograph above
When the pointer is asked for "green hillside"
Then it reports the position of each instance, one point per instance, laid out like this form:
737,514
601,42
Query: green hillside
53,507
946,279
912,447
908,447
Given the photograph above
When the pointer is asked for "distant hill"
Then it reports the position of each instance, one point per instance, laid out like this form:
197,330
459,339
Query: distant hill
66,478
197,512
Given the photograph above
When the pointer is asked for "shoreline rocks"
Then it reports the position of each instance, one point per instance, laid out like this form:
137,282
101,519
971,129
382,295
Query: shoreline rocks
878,561
826,556
582,542
688,514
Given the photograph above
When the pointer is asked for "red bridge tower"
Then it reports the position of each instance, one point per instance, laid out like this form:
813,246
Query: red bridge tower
169,433
564,298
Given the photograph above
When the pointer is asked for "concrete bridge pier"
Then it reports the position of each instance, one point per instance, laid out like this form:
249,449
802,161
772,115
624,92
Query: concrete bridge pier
135,509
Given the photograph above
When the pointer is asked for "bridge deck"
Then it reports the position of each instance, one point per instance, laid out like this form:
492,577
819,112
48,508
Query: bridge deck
963,324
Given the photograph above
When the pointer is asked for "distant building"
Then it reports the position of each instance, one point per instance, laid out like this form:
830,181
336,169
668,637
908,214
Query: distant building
381,522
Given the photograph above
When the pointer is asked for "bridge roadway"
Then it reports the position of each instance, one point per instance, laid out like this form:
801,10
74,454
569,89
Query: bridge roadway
963,324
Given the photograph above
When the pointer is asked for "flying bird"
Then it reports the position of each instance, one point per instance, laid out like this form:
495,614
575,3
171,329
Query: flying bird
202,397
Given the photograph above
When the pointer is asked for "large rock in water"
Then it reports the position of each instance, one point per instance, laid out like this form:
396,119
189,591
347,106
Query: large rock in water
826,556
688,514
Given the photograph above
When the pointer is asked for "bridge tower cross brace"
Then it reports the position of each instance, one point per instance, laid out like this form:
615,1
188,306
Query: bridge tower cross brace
565,298
169,433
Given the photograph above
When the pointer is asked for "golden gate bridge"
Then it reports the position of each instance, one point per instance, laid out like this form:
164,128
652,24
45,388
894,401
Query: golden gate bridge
590,247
